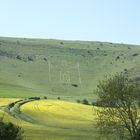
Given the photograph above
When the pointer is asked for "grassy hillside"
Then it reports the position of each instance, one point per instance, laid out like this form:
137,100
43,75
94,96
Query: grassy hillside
69,69
57,68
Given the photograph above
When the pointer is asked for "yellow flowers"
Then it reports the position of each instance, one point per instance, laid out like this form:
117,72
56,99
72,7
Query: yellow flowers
54,119
60,113
6,101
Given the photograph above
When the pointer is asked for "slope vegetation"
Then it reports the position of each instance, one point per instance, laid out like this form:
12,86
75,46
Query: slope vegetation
52,68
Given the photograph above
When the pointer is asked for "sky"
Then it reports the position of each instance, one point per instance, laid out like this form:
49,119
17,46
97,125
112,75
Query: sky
94,20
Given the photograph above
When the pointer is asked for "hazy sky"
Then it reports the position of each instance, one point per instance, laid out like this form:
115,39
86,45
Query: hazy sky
97,20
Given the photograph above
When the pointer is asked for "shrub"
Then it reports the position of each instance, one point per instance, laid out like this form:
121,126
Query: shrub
78,101
125,69
11,105
58,98
74,85
104,54
30,58
135,54
94,104
88,52
36,98
61,43
45,59
45,97
85,101
19,57
9,131
117,58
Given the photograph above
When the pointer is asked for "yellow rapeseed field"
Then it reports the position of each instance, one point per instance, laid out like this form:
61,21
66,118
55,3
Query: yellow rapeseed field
53,120
6,101
60,113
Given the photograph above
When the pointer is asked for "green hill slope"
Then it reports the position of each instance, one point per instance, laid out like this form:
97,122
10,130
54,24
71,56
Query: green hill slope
69,69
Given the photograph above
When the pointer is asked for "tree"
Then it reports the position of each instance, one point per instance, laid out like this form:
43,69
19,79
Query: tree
19,57
119,98
9,131
45,97
85,101
78,101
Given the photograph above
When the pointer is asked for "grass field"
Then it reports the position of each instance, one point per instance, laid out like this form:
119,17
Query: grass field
6,101
60,113
53,119
70,70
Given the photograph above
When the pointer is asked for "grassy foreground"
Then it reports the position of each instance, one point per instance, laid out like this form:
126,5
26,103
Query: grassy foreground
54,120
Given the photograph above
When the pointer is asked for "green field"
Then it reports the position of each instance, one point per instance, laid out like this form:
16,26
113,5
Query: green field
70,70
